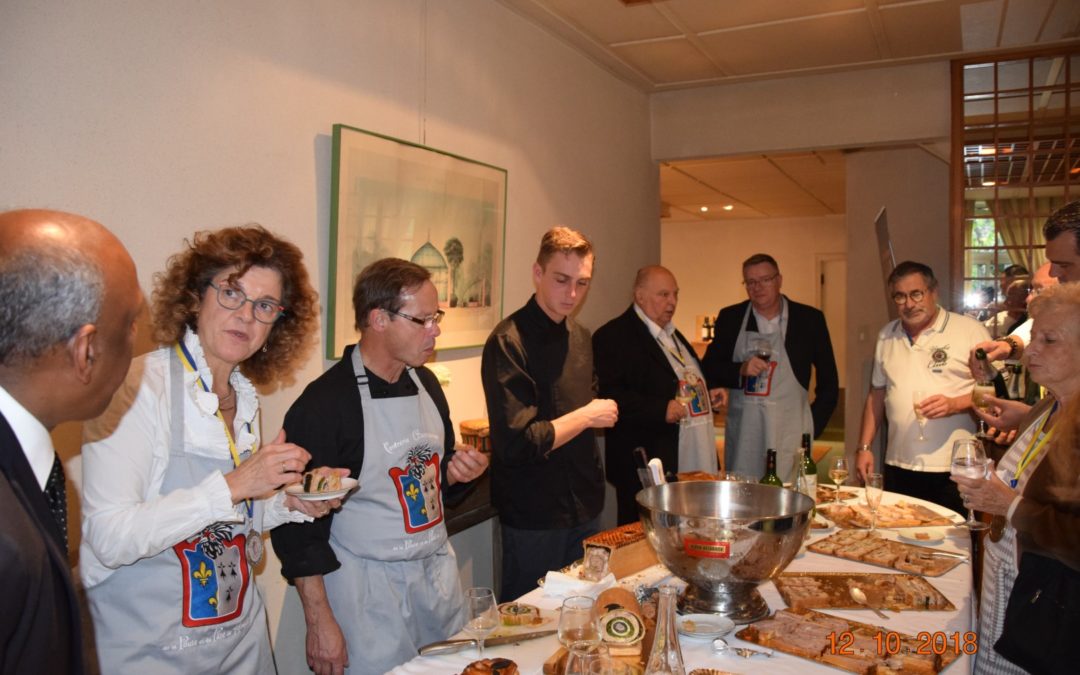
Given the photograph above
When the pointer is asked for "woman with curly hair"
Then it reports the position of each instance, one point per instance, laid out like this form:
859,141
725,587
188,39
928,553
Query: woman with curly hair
176,488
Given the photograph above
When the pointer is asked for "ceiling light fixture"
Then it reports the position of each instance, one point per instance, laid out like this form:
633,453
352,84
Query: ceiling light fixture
728,207
989,183
704,209
987,150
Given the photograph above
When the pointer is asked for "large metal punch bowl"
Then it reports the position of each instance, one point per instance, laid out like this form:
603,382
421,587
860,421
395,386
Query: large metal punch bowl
723,538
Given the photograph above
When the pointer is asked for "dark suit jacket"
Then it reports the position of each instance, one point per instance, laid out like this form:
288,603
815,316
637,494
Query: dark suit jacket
633,370
39,623
808,346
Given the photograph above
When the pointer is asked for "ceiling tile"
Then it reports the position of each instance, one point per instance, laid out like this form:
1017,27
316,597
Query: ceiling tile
1064,21
703,15
922,29
796,45
668,61
612,21
1023,19
979,23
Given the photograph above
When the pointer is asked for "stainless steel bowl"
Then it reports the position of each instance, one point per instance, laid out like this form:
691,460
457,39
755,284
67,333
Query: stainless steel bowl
723,538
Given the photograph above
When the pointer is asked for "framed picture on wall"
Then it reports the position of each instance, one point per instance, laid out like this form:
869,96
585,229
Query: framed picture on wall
393,198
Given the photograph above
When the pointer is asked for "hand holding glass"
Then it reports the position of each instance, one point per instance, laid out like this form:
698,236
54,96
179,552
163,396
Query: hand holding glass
918,397
685,395
969,461
762,349
875,485
483,615
838,472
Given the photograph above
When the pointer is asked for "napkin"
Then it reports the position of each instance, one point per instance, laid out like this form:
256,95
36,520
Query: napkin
561,585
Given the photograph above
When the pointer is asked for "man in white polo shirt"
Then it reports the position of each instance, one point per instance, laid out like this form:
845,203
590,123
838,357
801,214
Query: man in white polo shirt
925,350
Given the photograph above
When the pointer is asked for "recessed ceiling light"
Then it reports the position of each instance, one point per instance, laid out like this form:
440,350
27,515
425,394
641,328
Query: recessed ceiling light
987,150
728,207
989,183
704,209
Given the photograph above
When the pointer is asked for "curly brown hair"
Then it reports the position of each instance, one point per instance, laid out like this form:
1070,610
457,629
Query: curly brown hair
178,293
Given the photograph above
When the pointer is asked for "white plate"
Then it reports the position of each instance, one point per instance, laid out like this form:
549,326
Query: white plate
705,625
297,490
933,535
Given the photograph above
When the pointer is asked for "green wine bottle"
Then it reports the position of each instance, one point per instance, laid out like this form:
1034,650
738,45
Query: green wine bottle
809,470
770,477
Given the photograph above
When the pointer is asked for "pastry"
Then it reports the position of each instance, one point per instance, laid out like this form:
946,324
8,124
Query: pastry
627,549
519,614
322,479
491,667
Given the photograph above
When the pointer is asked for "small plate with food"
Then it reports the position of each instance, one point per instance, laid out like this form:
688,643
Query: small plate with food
926,536
705,625
322,484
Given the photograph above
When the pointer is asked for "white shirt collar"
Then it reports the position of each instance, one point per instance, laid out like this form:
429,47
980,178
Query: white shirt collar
654,329
32,435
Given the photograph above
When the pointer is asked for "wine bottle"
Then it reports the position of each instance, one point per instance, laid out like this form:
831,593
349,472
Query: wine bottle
992,374
809,469
770,477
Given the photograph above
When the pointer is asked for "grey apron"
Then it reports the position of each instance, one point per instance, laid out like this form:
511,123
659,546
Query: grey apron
193,608
398,586
697,438
770,411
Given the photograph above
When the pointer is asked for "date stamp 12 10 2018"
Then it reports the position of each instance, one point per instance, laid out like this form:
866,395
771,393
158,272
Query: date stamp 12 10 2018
890,644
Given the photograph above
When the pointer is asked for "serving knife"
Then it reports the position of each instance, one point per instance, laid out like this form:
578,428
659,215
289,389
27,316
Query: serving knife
449,646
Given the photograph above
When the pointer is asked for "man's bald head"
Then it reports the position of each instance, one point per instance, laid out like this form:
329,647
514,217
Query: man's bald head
657,293
70,298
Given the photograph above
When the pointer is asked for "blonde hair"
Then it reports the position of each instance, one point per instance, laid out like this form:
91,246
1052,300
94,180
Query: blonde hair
562,239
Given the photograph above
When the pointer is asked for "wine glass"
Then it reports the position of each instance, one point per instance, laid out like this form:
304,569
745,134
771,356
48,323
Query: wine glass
582,655
762,349
918,397
838,472
577,621
969,460
483,616
979,399
684,396
875,485
609,665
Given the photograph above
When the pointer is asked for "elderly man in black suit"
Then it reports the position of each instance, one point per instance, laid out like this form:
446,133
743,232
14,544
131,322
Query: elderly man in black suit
640,361
764,351
68,302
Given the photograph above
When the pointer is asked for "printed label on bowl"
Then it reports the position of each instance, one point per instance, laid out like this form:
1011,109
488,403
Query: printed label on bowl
701,548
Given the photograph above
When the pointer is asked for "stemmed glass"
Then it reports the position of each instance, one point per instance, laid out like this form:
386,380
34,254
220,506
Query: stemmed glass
577,621
685,395
875,485
918,397
583,653
838,472
762,349
969,460
483,616
979,399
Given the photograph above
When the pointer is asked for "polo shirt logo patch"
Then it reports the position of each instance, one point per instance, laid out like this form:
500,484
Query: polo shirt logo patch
939,357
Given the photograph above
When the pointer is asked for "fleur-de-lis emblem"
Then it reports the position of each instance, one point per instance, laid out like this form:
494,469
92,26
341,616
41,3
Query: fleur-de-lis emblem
203,574
412,492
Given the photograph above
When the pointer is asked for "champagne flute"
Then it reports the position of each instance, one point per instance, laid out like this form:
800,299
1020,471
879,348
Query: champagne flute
838,472
577,621
483,617
969,460
684,396
918,397
979,399
875,485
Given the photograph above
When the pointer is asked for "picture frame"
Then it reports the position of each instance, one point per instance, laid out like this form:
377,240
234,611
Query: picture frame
447,213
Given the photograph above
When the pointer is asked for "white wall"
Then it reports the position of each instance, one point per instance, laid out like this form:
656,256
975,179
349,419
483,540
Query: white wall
160,118
706,258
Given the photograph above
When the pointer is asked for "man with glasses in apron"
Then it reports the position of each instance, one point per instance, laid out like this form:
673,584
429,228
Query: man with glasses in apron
764,351
379,579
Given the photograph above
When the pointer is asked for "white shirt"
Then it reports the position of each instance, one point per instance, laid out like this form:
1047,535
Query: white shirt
32,436
936,364
1023,331
125,454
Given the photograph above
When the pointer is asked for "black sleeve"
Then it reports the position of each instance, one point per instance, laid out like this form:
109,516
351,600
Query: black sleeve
518,435
720,369
827,390
647,408
335,440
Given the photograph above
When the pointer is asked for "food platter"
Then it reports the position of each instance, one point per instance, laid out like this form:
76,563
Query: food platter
848,645
297,490
924,536
871,548
832,590
900,514
827,495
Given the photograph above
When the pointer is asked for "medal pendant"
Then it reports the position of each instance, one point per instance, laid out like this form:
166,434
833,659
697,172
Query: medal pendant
254,546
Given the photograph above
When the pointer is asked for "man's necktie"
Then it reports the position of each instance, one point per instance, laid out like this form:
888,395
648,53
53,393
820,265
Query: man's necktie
56,494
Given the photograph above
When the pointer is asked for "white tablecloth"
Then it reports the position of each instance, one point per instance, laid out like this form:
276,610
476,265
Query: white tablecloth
956,585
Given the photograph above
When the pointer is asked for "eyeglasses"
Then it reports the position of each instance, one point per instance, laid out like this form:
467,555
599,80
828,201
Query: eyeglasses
427,322
754,283
915,296
264,311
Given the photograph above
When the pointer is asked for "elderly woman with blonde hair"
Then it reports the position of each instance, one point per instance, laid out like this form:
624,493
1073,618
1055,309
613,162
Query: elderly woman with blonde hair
1034,495
177,485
